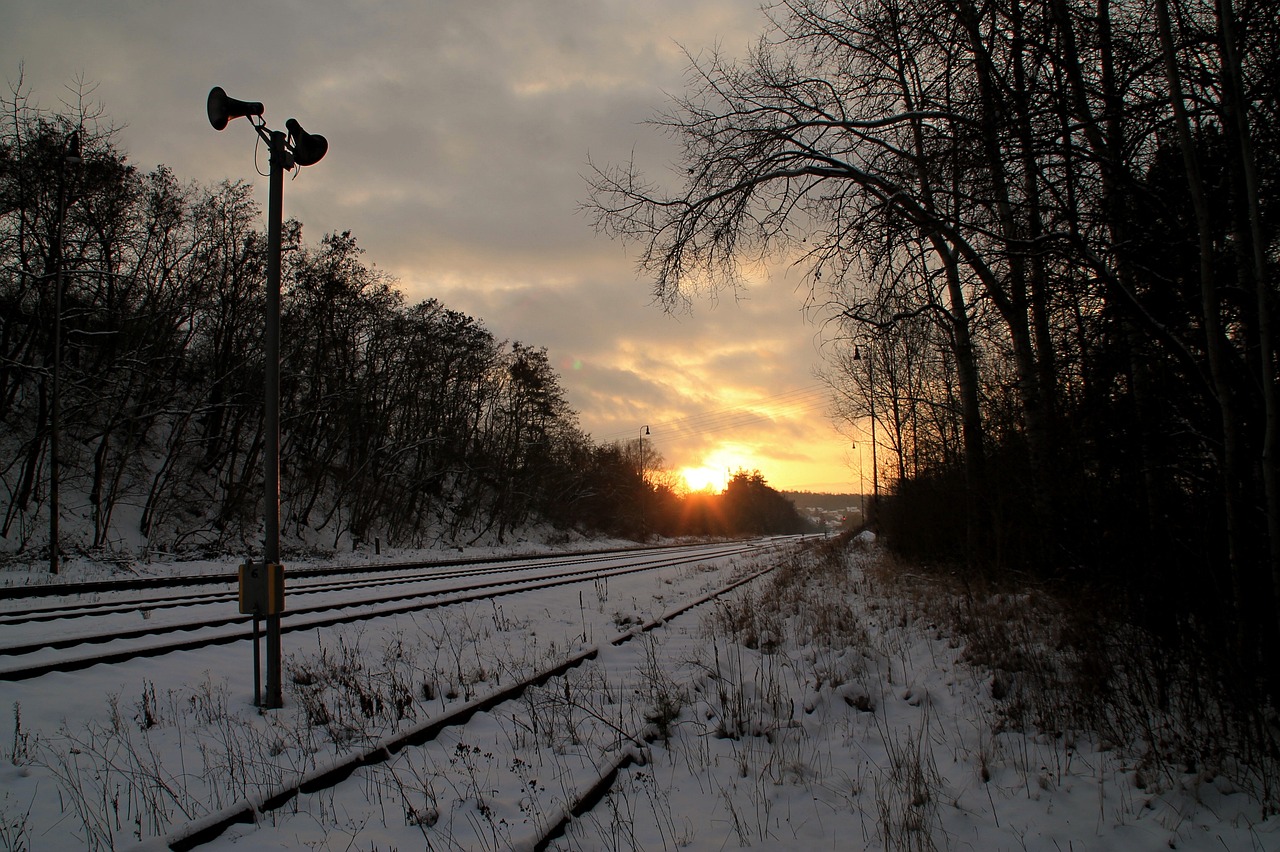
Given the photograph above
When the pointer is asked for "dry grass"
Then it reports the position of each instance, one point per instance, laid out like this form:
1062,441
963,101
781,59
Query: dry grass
1064,663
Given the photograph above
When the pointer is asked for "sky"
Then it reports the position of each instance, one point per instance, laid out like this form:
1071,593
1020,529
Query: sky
460,136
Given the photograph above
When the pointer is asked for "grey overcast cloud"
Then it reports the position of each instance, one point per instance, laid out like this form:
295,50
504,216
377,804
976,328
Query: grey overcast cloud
459,134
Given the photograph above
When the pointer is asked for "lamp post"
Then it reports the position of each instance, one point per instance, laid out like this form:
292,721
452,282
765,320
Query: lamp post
644,534
70,156
266,595
862,488
871,399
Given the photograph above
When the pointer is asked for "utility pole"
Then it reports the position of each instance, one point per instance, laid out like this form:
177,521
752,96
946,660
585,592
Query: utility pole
271,345
644,488
871,400
262,591
70,156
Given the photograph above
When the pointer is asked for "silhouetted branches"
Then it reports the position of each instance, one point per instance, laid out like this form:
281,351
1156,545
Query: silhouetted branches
408,424
1046,228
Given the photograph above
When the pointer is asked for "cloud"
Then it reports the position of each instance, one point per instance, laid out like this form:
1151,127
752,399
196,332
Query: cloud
458,137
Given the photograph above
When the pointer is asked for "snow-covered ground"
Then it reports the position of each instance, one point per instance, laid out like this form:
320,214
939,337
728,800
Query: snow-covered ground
820,707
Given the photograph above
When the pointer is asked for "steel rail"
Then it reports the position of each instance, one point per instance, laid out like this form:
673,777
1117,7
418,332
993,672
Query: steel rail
247,811
437,598
100,586
114,607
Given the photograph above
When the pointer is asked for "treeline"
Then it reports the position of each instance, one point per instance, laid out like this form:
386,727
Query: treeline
131,310
748,505
1046,232
824,500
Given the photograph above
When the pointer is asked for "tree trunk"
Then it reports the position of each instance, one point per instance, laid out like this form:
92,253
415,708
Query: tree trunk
1012,299
1233,468
1251,246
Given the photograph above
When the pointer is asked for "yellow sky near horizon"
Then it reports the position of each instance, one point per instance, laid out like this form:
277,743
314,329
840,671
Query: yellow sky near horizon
459,137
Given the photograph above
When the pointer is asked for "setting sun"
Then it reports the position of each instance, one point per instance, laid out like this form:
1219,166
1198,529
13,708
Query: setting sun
716,468
703,478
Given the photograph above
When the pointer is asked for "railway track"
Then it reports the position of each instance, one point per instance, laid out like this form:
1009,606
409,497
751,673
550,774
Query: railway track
44,640
364,569
309,580
581,793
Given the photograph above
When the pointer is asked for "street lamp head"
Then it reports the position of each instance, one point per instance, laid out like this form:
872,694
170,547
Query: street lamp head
222,108
308,148
72,152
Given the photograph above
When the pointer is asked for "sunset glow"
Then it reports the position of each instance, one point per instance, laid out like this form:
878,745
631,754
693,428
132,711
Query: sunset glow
704,478
715,468
484,234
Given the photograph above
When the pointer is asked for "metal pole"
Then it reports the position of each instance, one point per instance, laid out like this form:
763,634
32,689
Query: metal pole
271,345
862,491
875,470
862,488
641,460
298,148
644,533
257,662
55,401
70,153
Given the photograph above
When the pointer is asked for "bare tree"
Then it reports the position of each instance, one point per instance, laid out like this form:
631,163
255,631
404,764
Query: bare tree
1070,193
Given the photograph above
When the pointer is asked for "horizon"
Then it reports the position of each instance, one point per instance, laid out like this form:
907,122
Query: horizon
458,143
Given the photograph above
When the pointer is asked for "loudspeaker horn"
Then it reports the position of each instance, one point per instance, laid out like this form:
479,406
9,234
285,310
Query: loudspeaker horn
308,148
222,108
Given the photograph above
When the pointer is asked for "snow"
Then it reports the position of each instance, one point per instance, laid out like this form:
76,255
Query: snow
829,711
